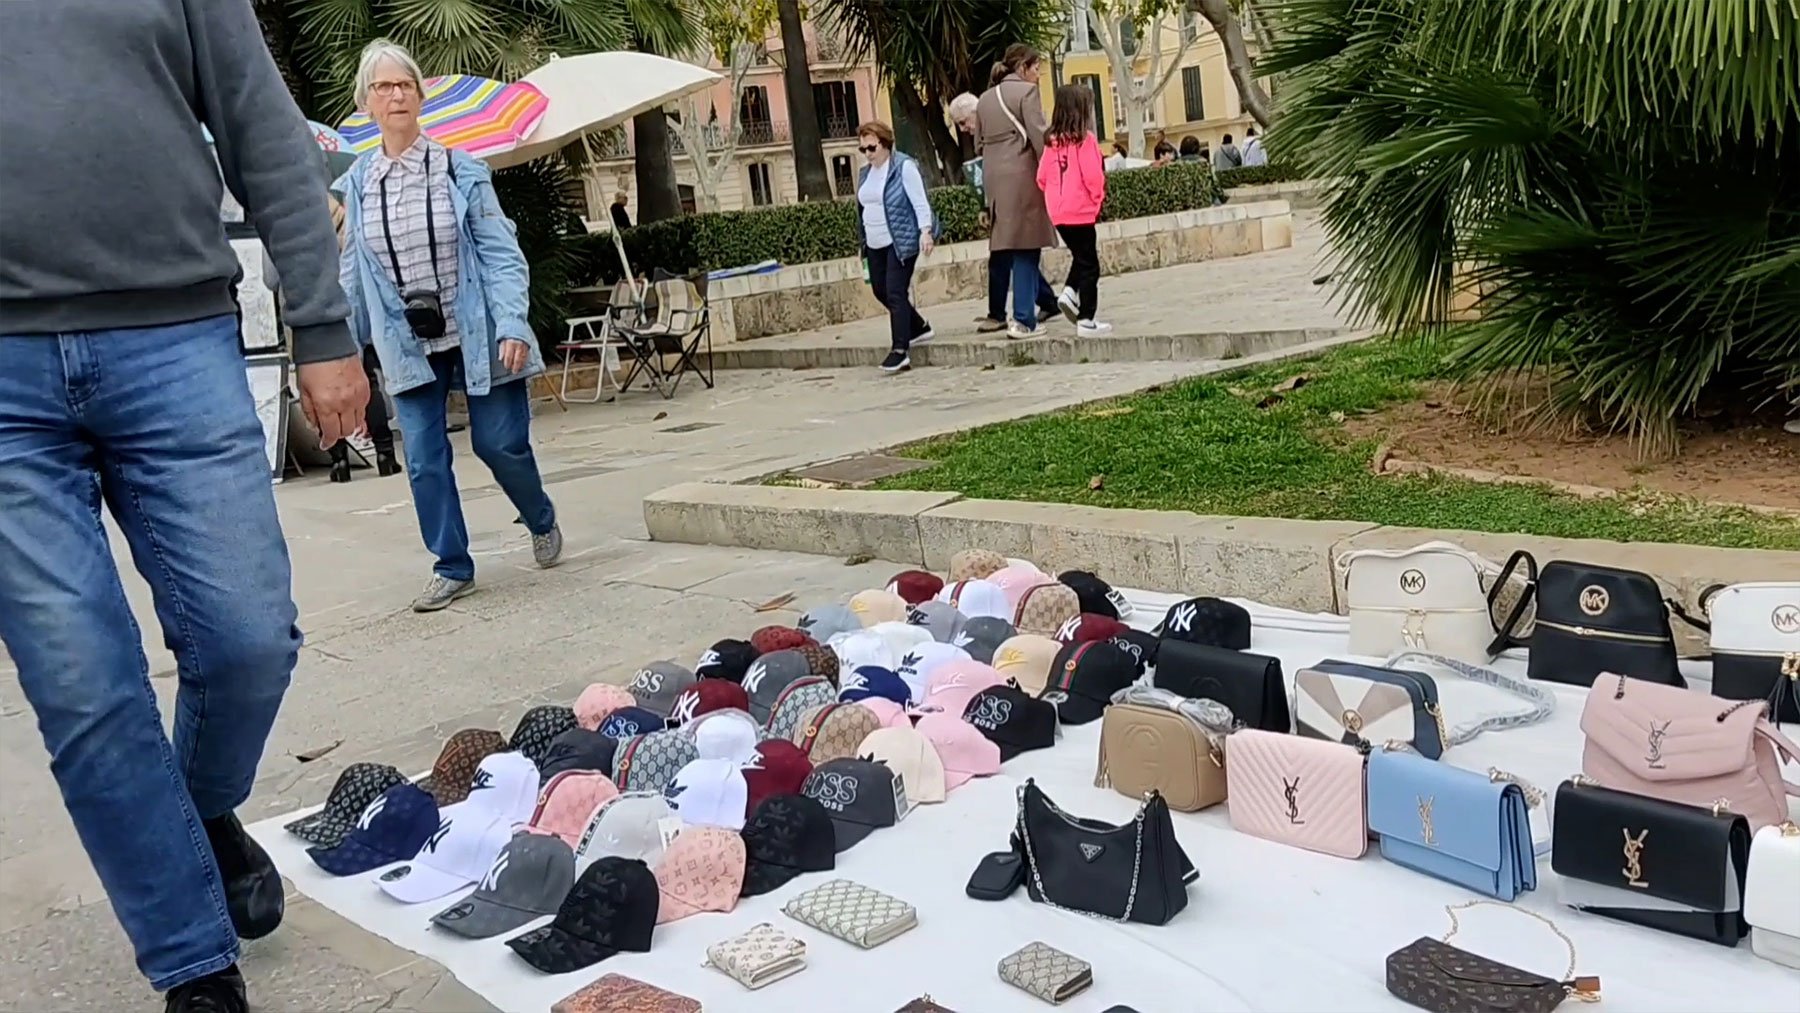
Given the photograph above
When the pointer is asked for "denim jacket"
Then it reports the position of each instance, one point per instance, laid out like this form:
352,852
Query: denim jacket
492,296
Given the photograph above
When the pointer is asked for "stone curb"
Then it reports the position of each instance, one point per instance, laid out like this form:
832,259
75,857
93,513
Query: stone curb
1055,350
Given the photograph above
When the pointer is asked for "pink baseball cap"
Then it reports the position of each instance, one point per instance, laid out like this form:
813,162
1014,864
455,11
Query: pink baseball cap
889,713
1014,579
702,870
599,700
955,683
964,751
568,802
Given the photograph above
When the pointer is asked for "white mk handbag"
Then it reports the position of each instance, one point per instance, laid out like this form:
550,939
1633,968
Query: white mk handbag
1756,644
1427,598
1772,897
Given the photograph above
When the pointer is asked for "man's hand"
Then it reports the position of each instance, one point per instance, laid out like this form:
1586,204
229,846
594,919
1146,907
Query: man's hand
513,354
334,395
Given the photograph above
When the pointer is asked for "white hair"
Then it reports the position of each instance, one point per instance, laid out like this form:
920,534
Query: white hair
373,56
962,107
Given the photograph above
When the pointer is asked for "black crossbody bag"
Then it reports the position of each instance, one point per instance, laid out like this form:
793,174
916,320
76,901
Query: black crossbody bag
1591,619
1250,684
1135,872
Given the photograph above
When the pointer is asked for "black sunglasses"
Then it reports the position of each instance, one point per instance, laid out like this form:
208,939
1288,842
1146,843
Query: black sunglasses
870,149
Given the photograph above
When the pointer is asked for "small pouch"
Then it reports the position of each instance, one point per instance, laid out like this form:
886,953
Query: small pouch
1433,975
1297,791
1772,903
759,956
998,876
615,993
1046,972
1249,684
1365,705
859,915
1468,828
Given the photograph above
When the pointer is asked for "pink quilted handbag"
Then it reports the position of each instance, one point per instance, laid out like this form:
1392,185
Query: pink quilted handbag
1685,746
1305,792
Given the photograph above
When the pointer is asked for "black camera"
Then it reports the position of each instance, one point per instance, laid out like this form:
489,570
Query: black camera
424,313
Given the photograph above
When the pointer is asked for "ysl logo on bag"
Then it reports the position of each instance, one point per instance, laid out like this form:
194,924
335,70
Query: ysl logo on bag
1657,731
1427,832
1594,599
1786,619
1412,582
1634,858
1292,790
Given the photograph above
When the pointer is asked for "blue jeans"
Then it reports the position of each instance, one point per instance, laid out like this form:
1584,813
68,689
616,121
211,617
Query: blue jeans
157,424
1004,270
499,429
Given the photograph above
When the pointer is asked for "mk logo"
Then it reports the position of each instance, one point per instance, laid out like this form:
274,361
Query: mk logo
1291,789
1657,731
1412,581
685,706
754,677
1427,832
1594,599
1634,858
491,881
1786,619
1091,851
369,814
484,778
437,836
1182,620
1067,632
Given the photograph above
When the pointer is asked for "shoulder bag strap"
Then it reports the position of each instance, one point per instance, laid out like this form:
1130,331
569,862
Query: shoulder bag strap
1676,610
1505,637
1543,702
1784,746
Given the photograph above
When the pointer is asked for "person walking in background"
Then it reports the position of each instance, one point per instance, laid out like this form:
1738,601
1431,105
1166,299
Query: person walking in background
895,227
963,114
1073,178
1163,154
1010,117
1228,156
1253,149
621,218
122,382
438,286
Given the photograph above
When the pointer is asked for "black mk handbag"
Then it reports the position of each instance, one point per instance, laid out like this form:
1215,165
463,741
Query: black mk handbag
1135,872
1249,684
1592,619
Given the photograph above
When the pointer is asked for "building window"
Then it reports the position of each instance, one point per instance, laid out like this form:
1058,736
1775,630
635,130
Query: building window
754,121
761,192
1193,97
1080,39
839,113
1190,25
1092,81
686,194
843,175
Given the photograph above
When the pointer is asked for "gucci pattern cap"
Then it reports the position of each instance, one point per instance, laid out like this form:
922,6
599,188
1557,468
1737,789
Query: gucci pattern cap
974,564
612,908
778,638
827,621
538,728
392,829
793,704
788,834
1044,608
821,661
1014,578
703,870
448,781
650,762
528,879
657,684
359,785
860,796
834,730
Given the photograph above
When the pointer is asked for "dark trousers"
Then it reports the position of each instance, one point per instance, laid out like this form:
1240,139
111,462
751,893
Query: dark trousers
380,433
1000,279
891,278
1084,266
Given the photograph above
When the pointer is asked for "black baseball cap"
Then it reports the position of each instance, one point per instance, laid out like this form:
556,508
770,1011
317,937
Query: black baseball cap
786,836
611,909
1084,678
359,785
538,728
728,659
1012,719
1213,622
1093,593
579,749
860,797
1140,645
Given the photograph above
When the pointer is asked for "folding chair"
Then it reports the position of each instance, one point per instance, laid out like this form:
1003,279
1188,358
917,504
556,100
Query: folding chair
598,333
681,325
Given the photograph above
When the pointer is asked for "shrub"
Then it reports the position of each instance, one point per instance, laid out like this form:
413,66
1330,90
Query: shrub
812,232
1257,175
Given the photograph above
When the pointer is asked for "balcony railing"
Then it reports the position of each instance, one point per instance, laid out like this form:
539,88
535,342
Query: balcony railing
839,128
617,143
752,133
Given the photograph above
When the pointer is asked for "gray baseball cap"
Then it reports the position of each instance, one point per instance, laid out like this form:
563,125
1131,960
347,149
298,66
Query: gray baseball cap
768,676
828,621
528,879
939,618
628,827
657,684
982,636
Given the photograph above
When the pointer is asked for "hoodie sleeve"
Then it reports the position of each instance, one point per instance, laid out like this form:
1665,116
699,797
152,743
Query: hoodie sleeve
1093,170
1045,174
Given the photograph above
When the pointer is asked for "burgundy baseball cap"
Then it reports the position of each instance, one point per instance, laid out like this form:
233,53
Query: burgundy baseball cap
1088,626
770,639
916,585
778,768
706,696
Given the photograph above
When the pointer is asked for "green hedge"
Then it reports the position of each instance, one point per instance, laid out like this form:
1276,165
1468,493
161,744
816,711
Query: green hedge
808,233
1255,175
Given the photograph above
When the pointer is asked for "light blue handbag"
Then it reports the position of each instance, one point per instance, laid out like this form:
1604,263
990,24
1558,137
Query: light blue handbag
1468,828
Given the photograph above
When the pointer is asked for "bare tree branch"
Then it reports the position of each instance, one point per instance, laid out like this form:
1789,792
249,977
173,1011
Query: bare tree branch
1237,57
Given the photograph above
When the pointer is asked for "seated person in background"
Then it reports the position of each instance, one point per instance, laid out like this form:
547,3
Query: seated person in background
1191,150
1165,154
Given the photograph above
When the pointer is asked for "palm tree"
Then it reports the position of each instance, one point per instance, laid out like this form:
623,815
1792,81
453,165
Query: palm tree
667,27
803,116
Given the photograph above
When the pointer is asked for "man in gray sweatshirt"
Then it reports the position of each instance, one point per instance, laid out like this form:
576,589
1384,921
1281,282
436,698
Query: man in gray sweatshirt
121,382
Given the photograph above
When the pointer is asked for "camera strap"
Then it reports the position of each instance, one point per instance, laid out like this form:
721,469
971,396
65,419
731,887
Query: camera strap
387,231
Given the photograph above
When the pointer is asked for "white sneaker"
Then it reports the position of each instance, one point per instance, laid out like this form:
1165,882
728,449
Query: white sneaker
1018,332
1070,303
1092,329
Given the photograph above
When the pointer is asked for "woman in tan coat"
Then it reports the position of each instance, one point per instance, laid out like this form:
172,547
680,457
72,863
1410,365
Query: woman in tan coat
1010,131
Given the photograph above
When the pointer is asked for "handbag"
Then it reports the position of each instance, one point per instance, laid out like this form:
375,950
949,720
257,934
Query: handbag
1593,619
1772,900
1433,975
1755,637
1426,598
761,955
1249,684
1686,746
1297,791
1363,705
1470,829
857,914
1650,862
1135,872
1046,972
1155,740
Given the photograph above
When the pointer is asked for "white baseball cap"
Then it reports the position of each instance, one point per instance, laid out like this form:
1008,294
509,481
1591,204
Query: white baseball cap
978,598
920,660
629,826
709,793
907,752
502,796
725,735
901,636
862,648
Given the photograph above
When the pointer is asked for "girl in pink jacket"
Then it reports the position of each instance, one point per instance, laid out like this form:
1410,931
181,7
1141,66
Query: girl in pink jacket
1073,179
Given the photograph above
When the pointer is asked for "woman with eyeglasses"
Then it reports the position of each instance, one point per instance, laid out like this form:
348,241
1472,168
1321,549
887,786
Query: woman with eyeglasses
896,226
437,284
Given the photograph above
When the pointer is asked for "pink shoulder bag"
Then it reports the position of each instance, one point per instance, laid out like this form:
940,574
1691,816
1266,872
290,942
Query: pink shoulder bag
1685,746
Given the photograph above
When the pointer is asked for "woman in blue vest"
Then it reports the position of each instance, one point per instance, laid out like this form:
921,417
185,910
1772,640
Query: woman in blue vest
895,223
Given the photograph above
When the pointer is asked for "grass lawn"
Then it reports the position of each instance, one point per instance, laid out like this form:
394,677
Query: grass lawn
1204,445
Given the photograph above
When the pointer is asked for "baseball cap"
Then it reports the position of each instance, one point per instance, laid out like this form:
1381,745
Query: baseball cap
709,793
568,802
907,752
778,638
392,829
864,647
448,781
964,752
778,767
1012,719
918,664
869,681
538,728
769,675
702,871
901,636
1214,622
977,599
527,880
827,621
657,684
889,713
860,796
788,834
725,735
1084,679
1140,645
821,661
579,749
470,833
982,636
1014,578
791,707
611,909
727,659
359,785
915,586
941,619
650,762
599,700
834,730
955,683
1044,608
1096,595
973,564
628,721
706,696
878,606
1088,626
1026,660
628,826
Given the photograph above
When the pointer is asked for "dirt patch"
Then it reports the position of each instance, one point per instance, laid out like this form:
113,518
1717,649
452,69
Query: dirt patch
1751,461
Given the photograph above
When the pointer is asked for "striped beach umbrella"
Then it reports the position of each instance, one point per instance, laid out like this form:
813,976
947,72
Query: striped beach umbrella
473,114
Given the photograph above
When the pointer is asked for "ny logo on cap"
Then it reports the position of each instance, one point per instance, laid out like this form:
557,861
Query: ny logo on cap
647,681
685,705
491,881
708,657
1183,619
369,814
991,712
754,677
1068,628
484,778
832,790
437,836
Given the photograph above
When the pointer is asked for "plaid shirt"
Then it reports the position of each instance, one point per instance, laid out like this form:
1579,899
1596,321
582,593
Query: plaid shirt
407,184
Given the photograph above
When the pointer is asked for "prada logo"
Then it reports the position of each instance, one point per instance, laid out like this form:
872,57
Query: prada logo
1786,619
1427,832
1654,758
1291,789
1594,599
1091,851
1634,858
1412,581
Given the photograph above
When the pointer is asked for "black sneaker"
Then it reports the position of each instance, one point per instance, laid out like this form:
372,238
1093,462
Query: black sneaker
216,993
253,892
896,362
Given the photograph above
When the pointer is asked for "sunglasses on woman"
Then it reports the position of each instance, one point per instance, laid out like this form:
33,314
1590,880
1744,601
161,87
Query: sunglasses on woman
869,149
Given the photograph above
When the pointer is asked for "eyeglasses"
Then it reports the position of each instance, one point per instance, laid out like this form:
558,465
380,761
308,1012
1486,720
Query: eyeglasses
869,149
388,89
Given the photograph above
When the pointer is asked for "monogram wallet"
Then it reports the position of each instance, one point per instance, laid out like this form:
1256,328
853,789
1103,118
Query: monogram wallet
615,993
859,915
760,956
1046,972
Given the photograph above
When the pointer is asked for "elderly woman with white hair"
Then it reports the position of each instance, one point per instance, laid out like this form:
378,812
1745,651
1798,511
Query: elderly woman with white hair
963,114
438,286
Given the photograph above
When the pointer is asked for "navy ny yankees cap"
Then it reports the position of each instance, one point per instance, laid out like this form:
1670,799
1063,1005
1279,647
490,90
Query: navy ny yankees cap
392,829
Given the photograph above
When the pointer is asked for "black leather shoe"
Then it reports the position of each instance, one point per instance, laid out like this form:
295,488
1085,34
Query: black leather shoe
340,471
253,892
215,993
385,464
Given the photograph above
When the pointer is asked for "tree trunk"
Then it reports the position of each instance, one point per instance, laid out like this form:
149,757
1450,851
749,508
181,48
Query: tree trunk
945,139
803,117
918,114
1134,120
1237,58
658,197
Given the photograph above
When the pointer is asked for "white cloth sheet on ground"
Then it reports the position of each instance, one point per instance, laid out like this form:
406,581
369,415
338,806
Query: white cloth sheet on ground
1267,927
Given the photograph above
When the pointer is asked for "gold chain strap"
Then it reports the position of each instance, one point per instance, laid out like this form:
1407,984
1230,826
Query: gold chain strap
1534,796
1576,990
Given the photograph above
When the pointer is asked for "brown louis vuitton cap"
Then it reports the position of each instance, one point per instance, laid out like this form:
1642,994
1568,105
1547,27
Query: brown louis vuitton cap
456,763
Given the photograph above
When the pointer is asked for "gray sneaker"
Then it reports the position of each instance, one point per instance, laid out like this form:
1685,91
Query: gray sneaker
547,548
440,592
